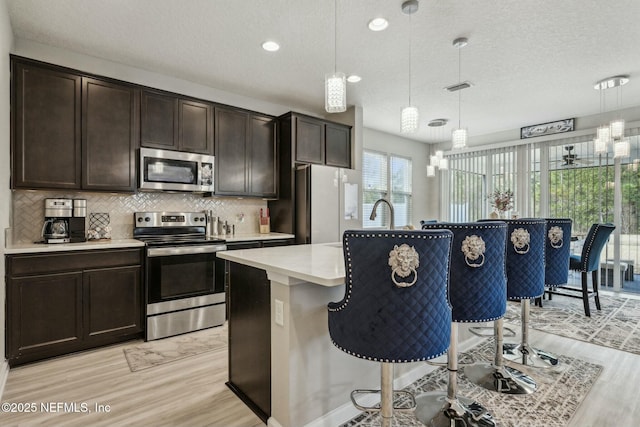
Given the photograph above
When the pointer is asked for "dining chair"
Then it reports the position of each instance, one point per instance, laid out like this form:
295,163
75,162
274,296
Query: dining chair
587,261
395,307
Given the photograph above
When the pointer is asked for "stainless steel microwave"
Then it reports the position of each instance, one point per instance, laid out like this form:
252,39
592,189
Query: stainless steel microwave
175,171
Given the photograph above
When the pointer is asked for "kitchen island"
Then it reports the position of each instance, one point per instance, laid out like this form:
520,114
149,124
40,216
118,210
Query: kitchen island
309,380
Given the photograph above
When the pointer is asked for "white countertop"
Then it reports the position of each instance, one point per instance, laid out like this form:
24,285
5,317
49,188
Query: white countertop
24,248
322,264
257,236
60,247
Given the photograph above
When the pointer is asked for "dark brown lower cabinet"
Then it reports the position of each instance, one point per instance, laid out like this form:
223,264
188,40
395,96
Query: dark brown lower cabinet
70,301
250,338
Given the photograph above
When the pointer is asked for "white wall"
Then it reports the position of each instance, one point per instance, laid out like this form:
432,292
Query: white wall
425,190
6,44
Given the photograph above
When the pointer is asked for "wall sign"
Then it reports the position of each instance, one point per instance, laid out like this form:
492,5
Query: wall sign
559,126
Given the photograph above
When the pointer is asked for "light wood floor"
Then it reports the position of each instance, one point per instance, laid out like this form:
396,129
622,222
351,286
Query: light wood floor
188,392
191,392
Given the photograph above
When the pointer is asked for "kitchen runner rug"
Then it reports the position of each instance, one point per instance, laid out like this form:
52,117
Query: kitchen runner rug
154,353
616,326
560,391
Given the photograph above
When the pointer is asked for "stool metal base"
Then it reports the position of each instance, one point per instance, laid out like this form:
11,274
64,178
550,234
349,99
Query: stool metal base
434,409
526,355
502,379
409,407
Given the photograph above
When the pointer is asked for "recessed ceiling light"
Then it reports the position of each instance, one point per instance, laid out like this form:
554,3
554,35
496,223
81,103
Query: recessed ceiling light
378,24
270,46
353,78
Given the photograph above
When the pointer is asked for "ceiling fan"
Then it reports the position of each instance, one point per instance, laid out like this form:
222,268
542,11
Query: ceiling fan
572,159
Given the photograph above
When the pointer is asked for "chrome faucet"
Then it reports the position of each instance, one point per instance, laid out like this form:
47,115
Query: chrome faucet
375,206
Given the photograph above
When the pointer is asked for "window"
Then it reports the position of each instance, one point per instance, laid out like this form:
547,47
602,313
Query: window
385,176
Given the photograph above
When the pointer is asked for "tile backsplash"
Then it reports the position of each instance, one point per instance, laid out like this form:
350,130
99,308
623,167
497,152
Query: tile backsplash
28,210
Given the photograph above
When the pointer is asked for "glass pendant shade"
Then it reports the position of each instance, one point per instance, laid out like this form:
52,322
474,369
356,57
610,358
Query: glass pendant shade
439,154
335,93
617,129
444,164
599,146
431,170
434,161
409,120
459,138
604,133
621,148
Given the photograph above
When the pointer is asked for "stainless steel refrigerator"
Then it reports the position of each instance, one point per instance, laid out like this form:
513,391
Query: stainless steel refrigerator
328,201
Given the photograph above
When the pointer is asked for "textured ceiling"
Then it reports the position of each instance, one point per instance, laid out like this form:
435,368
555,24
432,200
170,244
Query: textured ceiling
531,61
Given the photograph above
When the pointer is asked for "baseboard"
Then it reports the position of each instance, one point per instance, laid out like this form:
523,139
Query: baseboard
4,374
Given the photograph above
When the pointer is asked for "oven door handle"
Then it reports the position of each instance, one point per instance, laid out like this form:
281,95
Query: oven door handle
184,250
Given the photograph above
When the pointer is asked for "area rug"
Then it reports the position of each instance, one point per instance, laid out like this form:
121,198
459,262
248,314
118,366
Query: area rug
616,326
560,391
154,353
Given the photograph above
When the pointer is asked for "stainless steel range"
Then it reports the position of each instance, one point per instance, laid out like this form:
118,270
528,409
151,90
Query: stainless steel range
184,283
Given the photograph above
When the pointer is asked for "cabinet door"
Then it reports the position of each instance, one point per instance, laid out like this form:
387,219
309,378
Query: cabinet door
309,140
195,133
46,128
44,315
158,120
337,145
231,151
262,160
109,128
112,302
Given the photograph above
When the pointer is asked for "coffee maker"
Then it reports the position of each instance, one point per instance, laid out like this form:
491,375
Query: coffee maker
77,223
57,213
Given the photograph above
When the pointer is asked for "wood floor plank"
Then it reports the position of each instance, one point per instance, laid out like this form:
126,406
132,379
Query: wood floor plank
191,392
187,392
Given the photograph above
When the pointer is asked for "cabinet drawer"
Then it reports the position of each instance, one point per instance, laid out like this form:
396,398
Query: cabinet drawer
23,265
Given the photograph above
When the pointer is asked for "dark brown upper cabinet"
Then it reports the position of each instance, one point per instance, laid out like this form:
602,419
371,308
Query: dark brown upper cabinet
109,135
71,131
309,140
246,163
318,141
158,120
46,135
337,145
175,123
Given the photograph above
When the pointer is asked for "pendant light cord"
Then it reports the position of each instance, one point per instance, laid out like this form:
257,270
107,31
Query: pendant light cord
335,36
459,81
410,60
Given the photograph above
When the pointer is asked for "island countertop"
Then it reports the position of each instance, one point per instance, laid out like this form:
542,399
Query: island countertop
322,264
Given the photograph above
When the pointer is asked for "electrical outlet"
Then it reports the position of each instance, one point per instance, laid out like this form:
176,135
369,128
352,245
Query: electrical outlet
279,306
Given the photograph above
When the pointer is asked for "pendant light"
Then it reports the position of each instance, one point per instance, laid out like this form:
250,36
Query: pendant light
335,84
459,136
409,116
614,131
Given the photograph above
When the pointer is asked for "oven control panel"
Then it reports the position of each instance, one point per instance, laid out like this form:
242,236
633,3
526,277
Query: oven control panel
169,219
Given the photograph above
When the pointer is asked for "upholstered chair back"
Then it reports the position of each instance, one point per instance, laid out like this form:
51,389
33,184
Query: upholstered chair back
478,282
557,251
594,242
395,306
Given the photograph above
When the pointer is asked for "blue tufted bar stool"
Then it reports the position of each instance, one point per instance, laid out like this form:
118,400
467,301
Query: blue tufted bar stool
395,308
525,282
557,252
477,293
